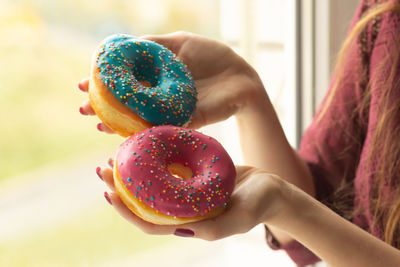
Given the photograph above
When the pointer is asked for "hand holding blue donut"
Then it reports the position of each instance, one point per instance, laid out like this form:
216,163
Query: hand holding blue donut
225,82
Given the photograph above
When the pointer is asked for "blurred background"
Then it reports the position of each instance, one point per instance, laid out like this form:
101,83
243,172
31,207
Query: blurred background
52,209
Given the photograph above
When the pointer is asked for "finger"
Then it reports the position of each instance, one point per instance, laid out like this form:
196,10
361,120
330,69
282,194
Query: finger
197,121
146,227
86,109
209,111
104,128
84,85
223,225
107,176
110,162
235,220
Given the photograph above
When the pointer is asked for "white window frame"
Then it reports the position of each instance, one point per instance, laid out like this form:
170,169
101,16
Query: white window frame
323,25
250,45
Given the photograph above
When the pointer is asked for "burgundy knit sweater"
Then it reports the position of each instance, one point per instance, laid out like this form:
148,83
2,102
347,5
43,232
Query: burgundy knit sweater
337,147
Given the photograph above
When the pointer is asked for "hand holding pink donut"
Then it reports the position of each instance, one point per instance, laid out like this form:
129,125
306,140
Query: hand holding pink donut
256,199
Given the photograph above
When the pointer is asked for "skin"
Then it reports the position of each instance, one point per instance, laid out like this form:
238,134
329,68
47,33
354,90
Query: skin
283,201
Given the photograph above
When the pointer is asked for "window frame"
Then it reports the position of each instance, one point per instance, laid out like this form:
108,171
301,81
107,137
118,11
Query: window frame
322,25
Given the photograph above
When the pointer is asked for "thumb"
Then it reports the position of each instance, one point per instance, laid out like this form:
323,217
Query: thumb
234,220
195,123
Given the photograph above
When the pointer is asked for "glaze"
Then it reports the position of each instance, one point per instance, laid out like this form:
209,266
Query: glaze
143,162
147,78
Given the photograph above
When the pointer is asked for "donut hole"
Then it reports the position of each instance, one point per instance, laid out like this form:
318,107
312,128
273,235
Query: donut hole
180,171
146,74
145,83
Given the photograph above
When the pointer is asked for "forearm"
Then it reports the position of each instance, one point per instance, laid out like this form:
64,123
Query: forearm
332,238
265,146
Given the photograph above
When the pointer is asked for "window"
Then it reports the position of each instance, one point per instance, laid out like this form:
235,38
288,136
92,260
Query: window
247,27
55,211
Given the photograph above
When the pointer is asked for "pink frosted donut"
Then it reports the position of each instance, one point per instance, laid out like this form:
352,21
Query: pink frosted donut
172,175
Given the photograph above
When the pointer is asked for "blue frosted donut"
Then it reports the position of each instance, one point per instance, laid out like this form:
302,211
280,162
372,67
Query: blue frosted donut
148,79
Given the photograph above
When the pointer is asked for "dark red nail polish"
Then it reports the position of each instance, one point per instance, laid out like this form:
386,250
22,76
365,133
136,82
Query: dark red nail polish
107,198
184,232
99,127
98,169
82,111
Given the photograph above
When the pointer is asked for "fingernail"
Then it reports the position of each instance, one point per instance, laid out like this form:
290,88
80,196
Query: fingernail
82,111
98,169
99,127
107,198
80,86
184,232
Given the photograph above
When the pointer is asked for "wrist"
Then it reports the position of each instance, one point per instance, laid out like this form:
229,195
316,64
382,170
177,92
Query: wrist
288,205
288,211
273,202
254,97
255,104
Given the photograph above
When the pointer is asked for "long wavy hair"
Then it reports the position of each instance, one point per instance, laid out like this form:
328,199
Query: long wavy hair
383,162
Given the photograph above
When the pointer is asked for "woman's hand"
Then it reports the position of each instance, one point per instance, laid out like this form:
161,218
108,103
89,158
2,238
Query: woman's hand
225,81
86,108
255,200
